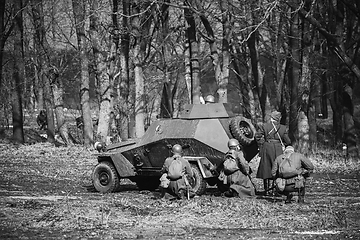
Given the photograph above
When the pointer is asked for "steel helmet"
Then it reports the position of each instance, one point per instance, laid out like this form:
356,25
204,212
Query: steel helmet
233,143
177,149
210,99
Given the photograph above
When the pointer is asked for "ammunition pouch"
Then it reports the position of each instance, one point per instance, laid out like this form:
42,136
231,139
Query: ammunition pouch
299,182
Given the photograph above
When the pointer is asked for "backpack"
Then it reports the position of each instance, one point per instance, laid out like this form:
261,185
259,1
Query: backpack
230,163
287,169
175,169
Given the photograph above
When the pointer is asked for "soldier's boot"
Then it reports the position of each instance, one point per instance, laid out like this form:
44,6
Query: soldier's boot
162,192
301,196
266,186
288,198
231,193
181,194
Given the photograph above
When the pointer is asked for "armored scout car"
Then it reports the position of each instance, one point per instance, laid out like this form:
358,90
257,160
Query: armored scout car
203,130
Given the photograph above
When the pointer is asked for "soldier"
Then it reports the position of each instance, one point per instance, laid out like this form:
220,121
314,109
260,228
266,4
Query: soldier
291,170
272,138
41,120
175,172
209,99
235,172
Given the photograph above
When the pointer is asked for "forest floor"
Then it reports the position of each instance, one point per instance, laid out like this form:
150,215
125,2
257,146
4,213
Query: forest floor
46,193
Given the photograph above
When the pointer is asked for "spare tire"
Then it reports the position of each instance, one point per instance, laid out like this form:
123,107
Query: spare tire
243,130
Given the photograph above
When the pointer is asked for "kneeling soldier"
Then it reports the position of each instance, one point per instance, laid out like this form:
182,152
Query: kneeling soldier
291,169
175,172
235,173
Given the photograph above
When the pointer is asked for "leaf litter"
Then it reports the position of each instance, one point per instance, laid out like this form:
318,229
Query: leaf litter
45,188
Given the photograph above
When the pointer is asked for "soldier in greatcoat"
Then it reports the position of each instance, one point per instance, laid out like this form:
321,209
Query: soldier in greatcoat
272,139
235,176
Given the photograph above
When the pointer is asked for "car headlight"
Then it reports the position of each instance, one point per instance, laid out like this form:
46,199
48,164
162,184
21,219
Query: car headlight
99,146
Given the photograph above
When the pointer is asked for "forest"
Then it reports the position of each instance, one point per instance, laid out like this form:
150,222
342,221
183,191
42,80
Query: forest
126,62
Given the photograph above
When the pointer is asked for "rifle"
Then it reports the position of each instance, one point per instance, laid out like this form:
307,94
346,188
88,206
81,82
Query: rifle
187,187
250,178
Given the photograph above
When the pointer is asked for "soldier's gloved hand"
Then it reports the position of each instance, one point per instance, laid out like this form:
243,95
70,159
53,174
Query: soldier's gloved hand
304,171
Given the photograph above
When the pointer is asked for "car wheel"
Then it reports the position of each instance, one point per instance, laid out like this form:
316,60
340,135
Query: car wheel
148,183
105,178
243,130
197,183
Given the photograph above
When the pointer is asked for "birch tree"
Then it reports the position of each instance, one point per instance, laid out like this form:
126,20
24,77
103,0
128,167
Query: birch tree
101,50
79,11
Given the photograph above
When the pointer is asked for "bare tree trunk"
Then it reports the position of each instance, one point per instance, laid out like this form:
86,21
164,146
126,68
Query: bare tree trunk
125,76
139,94
139,78
3,37
194,58
294,75
79,15
57,90
244,87
350,130
101,73
18,74
38,85
304,91
257,76
49,105
187,75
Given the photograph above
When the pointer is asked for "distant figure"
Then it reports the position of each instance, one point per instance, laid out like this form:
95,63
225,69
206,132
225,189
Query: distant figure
272,138
209,99
291,170
41,120
234,172
176,171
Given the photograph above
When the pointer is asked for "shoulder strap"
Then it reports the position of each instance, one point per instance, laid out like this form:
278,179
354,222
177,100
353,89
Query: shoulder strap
282,144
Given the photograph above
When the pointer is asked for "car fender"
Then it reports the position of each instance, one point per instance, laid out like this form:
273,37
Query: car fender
123,167
204,165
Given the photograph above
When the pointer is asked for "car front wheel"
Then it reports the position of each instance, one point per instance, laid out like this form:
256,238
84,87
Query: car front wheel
105,178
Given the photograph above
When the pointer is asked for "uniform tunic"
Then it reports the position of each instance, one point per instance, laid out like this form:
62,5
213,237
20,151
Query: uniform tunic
239,181
177,185
298,160
300,163
270,146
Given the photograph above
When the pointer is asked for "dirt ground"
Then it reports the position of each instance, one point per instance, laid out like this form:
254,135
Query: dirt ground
46,193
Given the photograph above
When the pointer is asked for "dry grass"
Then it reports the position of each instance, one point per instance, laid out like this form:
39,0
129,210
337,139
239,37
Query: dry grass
42,170
330,160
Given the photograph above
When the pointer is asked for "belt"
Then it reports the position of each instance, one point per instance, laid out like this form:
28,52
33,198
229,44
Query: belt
273,140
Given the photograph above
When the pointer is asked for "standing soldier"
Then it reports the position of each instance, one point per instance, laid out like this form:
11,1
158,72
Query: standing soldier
235,172
175,172
272,138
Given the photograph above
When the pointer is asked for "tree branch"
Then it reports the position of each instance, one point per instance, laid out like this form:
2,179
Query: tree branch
332,40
